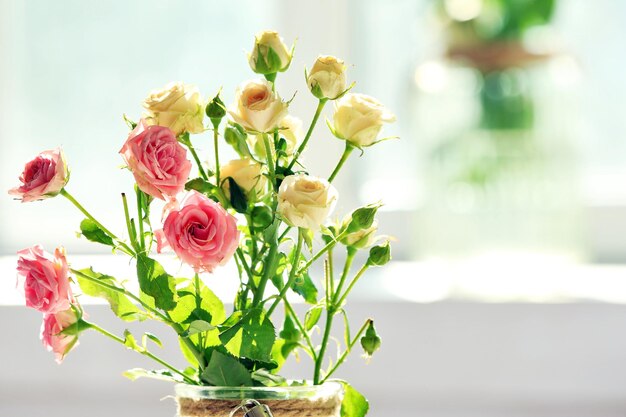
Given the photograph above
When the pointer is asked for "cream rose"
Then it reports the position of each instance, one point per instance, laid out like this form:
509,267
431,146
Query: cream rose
262,61
327,78
290,128
248,175
306,201
177,106
257,108
359,118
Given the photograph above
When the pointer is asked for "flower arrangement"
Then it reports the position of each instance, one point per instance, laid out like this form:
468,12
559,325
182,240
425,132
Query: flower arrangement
262,211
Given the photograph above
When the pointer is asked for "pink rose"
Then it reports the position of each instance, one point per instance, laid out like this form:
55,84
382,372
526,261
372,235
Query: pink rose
200,232
53,325
156,159
46,279
43,177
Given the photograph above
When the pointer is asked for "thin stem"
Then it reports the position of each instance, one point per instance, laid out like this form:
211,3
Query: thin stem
270,159
144,352
197,159
354,280
318,111
331,272
269,266
320,356
142,241
344,275
344,157
292,274
67,195
129,225
217,156
242,259
296,319
345,354
322,251
196,284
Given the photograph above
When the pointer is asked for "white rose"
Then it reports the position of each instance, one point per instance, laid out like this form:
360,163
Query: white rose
306,201
257,108
248,175
290,128
361,238
177,106
327,78
260,59
358,119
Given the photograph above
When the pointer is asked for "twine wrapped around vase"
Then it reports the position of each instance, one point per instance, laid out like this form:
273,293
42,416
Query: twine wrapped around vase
319,407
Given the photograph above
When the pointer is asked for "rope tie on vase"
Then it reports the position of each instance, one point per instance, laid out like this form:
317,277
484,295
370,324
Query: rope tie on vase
322,407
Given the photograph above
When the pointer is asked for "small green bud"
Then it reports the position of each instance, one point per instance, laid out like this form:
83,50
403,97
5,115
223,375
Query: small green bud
234,133
361,218
370,341
216,110
379,255
261,216
270,54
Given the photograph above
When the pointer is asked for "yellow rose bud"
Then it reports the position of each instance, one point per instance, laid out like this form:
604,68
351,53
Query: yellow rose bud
306,201
257,108
270,54
290,128
248,175
363,238
327,78
359,118
177,106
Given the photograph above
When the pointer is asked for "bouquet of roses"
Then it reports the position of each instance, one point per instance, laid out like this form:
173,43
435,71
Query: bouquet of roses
263,211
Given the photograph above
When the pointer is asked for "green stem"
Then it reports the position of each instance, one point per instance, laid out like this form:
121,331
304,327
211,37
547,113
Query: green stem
242,259
344,157
331,272
345,354
354,280
142,241
344,275
269,266
322,251
67,195
196,283
318,111
144,352
270,160
292,274
197,159
217,157
129,225
296,319
320,356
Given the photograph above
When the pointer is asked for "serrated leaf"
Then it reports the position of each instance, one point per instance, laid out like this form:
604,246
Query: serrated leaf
155,282
268,379
120,304
312,317
224,370
186,311
200,185
303,285
94,233
251,337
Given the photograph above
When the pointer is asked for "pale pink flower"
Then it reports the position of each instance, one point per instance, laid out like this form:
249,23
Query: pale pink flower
43,177
200,232
51,337
158,162
45,278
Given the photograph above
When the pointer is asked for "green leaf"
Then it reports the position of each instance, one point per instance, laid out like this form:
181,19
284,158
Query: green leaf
148,335
94,233
186,311
312,317
226,371
200,185
289,331
251,337
130,341
163,375
120,304
237,197
304,286
354,404
268,379
197,326
155,282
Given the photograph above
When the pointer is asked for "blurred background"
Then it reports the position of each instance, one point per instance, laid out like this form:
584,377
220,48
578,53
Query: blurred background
505,192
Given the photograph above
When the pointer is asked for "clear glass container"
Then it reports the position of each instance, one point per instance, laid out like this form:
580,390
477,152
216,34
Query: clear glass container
315,401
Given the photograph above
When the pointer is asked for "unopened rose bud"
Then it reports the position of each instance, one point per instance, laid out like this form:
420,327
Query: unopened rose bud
358,119
261,216
270,54
379,255
327,79
216,110
361,218
362,238
370,341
